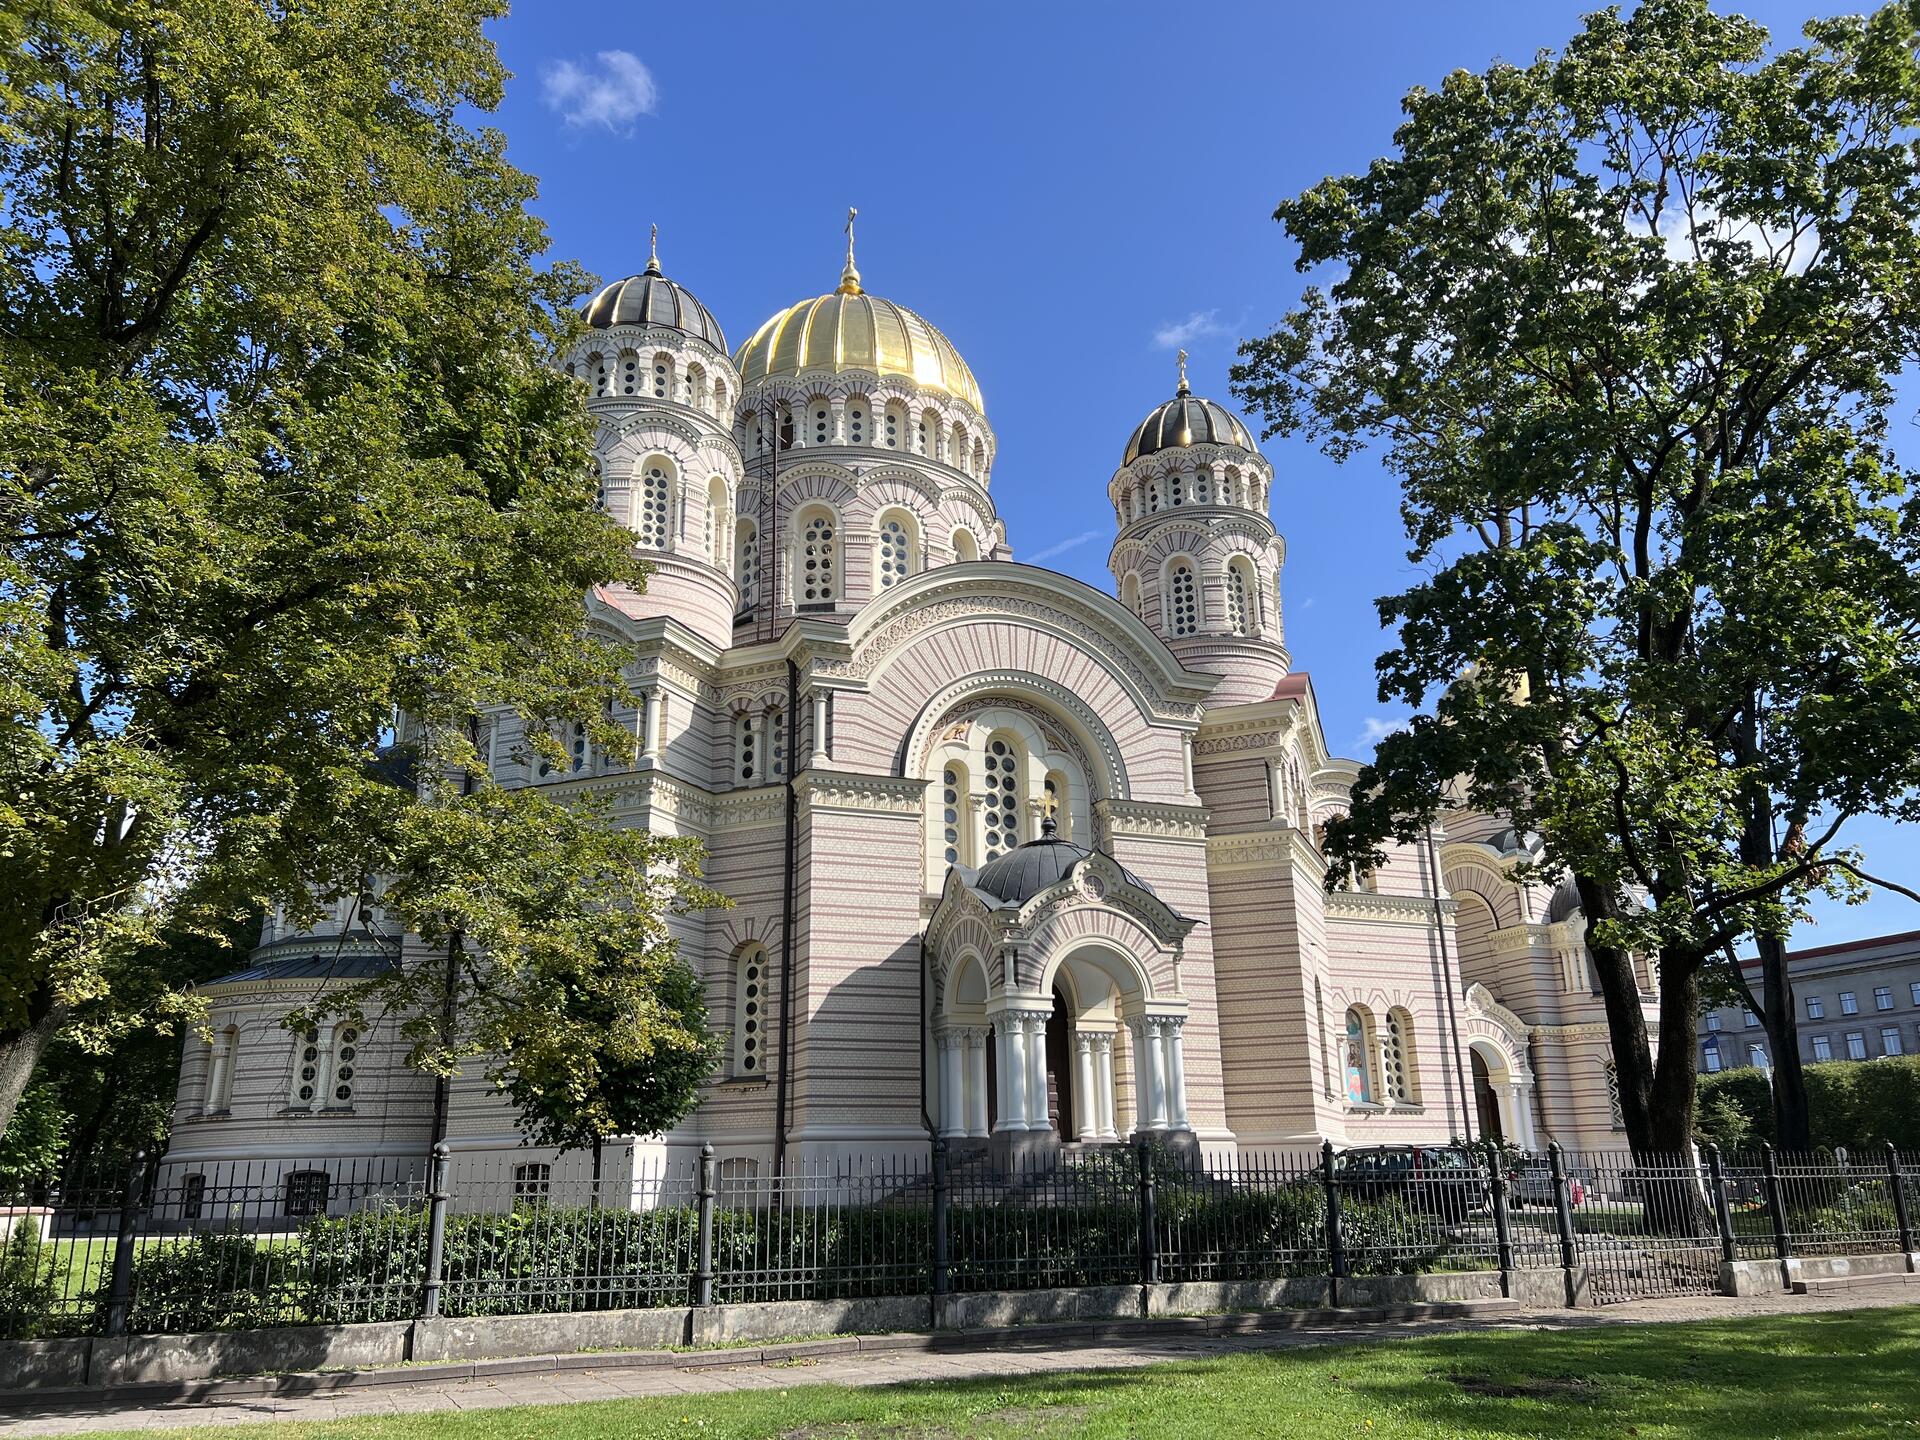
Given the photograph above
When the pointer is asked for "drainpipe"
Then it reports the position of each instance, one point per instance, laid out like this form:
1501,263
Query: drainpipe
786,926
1447,983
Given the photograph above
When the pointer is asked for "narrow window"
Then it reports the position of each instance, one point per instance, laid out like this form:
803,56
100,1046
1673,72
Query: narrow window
1359,1066
1002,785
307,1072
746,564
346,1051
965,549
660,377
892,435
747,750
306,1193
890,552
1398,1090
629,373
1182,604
820,425
651,522
749,1029
953,802
817,559
193,1195
857,424
1612,1078
1237,599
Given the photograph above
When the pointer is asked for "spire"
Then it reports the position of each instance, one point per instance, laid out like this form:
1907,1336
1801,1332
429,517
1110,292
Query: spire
1183,391
850,277
653,252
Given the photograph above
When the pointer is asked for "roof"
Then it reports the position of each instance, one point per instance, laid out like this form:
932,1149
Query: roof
1186,420
852,330
357,966
1019,874
650,299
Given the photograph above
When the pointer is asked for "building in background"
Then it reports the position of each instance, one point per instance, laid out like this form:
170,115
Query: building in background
1856,1001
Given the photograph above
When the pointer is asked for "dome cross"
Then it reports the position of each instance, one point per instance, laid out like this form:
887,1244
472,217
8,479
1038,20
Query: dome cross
850,277
1182,361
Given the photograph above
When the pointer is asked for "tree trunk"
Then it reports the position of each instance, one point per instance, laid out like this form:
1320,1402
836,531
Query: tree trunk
1626,1021
1670,1130
20,1052
1792,1116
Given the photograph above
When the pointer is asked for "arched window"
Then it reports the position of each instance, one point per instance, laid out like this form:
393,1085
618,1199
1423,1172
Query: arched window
346,1054
629,373
1003,794
814,576
894,427
822,415
748,750
1358,1056
720,399
925,433
979,467
656,494
786,427
1176,489
662,376
958,448
953,814
746,563
894,544
597,368
717,526
1202,486
965,547
749,1013
1130,593
1181,604
306,1071
697,386
574,737
1242,616
857,413
1403,1081
1153,496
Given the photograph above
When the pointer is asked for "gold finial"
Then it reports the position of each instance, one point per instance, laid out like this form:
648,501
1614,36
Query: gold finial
653,252
850,277
1183,390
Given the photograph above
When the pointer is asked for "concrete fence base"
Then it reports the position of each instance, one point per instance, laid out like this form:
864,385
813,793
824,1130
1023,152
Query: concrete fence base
27,1365
1776,1277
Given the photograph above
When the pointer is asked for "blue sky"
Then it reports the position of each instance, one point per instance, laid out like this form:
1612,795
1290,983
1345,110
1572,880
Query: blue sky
1070,191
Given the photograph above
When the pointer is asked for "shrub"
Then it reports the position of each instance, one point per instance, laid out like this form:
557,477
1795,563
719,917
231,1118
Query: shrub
206,1282
27,1290
1856,1104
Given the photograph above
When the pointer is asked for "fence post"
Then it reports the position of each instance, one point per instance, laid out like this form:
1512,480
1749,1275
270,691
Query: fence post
1563,1216
1502,1217
941,1199
1722,1216
436,1232
120,1295
1776,1208
703,1249
1336,1245
1896,1177
1149,1241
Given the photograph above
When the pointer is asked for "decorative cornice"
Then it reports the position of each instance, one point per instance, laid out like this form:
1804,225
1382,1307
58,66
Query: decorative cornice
1274,845
1386,909
1570,1032
1257,739
842,791
1480,1001
1518,939
1147,819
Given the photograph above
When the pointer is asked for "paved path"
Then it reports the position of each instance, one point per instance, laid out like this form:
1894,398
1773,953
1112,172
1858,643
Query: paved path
553,1388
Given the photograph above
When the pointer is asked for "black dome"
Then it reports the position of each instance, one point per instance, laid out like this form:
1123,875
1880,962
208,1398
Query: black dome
1024,871
1184,421
651,299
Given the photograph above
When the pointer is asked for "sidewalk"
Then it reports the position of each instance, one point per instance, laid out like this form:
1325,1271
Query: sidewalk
830,1363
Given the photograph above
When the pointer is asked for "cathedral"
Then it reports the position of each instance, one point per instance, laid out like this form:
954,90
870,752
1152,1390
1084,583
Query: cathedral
1015,861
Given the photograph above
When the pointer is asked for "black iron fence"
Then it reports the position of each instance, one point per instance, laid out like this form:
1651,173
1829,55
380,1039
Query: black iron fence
144,1249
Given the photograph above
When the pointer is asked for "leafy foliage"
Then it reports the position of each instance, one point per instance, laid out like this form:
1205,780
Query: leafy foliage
1858,1105
1626,321
282,457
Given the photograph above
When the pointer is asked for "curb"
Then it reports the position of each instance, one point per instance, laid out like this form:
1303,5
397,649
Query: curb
1058,1333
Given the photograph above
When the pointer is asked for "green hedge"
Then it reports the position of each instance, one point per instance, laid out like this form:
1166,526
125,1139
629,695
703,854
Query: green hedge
536,1260
1858,1104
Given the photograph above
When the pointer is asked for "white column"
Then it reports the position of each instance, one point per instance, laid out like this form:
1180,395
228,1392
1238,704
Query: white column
323,1081
1103,1081
819,756
1142,1085
1086,1099
217,1062
1012,1052
952,1118
1176,1074
1037,1117
1277,790
976,1082
1156,1075
1522,1108
1186,762
649,722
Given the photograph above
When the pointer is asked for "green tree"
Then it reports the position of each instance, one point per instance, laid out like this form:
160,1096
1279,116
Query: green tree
283,457
1626,320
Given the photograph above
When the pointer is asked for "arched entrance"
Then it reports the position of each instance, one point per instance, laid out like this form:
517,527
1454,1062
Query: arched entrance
1060,1096
1486,1104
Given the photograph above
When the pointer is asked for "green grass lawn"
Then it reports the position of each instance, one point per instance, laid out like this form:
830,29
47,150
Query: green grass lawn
1829,1375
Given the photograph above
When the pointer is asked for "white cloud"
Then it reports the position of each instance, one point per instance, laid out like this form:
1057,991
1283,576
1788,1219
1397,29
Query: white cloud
1184,332
1063,546
614,91
1376,728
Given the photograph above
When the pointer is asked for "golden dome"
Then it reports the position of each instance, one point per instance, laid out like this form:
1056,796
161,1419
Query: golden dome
851,330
